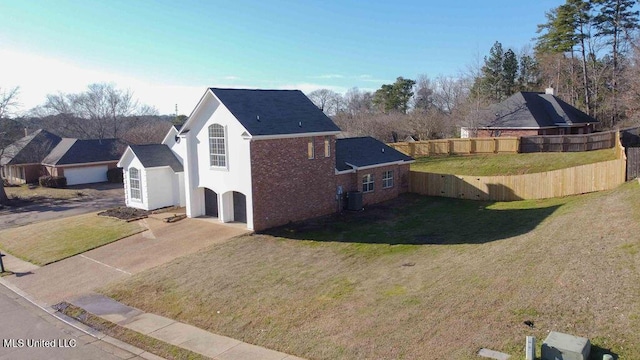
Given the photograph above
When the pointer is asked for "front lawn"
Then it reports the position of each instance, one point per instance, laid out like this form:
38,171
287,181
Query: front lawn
39,193
509,164
419,278
49,241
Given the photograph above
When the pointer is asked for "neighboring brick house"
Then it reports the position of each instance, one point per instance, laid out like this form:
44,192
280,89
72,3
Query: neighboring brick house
263,157
43,153
83,161
21,161
531,113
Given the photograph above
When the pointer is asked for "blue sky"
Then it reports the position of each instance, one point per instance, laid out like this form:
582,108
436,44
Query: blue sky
168,52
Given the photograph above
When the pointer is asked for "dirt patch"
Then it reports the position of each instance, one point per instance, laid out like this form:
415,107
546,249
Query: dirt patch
126,213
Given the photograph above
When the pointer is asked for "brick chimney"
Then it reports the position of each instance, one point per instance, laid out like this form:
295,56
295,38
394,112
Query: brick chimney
550,91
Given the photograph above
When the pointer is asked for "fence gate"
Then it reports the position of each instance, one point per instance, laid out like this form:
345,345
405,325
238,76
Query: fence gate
633,163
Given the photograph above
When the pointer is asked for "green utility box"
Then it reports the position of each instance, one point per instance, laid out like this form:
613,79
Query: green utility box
559,346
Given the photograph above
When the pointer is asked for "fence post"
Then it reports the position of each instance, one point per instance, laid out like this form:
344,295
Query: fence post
495,145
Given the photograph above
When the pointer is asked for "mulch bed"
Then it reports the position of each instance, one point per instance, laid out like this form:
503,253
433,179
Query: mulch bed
126,213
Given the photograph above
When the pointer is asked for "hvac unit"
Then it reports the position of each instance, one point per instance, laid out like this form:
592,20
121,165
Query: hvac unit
354,200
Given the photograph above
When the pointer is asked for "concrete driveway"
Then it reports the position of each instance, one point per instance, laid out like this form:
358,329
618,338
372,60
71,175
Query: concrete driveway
99,197
160,244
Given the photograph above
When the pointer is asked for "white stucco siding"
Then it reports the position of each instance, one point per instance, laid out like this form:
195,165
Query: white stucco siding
128,162
236,176
161,184
178,147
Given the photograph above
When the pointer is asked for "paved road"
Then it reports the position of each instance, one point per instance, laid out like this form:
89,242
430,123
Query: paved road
22,323
103,196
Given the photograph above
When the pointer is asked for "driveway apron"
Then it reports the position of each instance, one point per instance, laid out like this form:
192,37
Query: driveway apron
161,243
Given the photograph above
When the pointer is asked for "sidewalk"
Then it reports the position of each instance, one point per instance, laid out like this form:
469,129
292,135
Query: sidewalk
176,333
164,329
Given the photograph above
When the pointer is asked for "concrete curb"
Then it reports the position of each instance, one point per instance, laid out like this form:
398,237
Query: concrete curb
80,326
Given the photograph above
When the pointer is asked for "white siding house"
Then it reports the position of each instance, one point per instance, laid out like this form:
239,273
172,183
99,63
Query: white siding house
153,177
217,163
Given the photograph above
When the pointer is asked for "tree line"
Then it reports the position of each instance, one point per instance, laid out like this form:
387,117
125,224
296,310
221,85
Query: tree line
587,50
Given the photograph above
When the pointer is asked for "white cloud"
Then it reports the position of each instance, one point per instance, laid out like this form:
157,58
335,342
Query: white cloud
309,87
328,76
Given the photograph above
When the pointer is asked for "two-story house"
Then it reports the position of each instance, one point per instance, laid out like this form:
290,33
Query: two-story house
262,157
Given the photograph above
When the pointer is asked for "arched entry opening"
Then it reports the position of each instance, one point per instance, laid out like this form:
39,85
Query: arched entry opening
210,203
239,207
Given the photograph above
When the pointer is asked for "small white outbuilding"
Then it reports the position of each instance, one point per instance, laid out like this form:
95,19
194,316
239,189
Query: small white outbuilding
153,177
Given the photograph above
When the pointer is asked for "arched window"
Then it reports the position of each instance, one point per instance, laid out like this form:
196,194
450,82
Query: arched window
134,184
217,146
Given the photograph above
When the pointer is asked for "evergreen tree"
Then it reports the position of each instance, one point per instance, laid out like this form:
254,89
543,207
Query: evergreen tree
492,73
394,96
567,27
615,21
528,76
509,73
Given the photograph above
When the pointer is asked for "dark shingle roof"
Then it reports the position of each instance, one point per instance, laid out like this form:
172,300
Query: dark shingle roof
536,110
157,155
275,112
365,151
31,149
75,151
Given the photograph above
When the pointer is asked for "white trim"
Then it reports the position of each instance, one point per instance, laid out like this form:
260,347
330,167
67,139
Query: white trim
356,168
387,179
225,140
172,130
131,188
399,162
297,135
370,183
188,122
128,149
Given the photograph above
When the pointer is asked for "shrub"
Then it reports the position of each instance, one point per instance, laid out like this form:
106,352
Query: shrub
115,175
53,181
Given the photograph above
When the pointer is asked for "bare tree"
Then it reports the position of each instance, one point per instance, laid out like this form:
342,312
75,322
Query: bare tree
357,101
326,100
450,93
99,112
8,101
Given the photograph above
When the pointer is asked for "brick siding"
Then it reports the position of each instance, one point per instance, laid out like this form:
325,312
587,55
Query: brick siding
379,194
288,186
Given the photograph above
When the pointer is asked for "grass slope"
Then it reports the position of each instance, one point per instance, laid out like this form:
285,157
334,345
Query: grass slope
49,241
420,278
509,164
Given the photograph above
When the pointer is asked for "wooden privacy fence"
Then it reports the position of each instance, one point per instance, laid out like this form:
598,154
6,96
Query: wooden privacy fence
633,163
568,143
571,181
523,144
458,146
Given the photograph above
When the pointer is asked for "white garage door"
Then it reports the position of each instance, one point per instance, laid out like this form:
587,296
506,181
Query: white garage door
86,175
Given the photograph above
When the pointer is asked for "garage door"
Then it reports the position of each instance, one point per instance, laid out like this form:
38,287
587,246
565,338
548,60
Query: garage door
86,175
